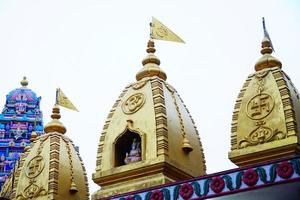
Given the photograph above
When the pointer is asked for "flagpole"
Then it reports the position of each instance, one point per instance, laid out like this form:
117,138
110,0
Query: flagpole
56,97
150,31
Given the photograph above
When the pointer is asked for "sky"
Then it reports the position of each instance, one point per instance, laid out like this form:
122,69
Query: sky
92,49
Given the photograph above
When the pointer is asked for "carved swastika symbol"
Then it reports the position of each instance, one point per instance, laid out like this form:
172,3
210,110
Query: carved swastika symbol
35,167
260,106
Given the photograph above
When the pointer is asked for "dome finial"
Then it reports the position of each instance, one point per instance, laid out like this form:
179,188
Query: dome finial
55,125
24,82
267,60
151,64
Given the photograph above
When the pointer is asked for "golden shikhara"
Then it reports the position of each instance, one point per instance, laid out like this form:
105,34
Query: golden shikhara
266,117
50,168
149,117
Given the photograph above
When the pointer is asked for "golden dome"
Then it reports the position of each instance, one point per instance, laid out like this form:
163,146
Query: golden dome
52,168
266,114
151,115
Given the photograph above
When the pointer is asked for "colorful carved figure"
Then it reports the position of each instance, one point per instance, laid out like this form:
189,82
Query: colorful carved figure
135,153
19,118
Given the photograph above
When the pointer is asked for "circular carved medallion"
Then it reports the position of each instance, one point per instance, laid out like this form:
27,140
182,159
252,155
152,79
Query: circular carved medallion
139,85
35,166
260,106
133,103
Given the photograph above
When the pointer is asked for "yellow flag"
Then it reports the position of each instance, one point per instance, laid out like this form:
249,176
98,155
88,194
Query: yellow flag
161,32
63,100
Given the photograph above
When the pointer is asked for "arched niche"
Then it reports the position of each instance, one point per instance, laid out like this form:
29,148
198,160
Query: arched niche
124,144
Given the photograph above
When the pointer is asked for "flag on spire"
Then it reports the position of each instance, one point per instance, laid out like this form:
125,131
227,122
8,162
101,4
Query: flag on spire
266,34
63,100
160,32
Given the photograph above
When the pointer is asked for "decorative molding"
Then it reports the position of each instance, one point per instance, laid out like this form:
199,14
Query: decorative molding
105,127
223,183
262,104
54,164
84,171
236,111
140,84
160,117
260,135
32,191
285,85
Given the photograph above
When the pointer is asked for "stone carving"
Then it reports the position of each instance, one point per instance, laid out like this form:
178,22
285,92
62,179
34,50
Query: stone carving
133,103
31,191
260,106
35,166
140,84
262,74
260,135
135,153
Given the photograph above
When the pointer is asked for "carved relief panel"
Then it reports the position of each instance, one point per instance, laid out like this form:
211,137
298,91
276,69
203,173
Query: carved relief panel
261,117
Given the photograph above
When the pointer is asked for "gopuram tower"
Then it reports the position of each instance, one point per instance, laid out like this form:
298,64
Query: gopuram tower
149,137
266,117
21,116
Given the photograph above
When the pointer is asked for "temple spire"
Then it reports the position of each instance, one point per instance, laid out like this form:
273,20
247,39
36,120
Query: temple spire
55,125
266,34
151,64
267,60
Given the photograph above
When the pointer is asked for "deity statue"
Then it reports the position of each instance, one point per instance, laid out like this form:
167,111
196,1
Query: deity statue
135,153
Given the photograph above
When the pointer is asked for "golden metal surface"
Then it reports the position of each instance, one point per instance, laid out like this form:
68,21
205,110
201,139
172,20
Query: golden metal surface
50,169
267,60
266,116
151,65
55,125
163,126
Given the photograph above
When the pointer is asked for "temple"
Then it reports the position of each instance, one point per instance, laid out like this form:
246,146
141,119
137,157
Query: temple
20,117
150,149
149,137
50,167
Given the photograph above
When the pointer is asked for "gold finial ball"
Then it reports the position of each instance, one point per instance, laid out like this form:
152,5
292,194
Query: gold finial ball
24,82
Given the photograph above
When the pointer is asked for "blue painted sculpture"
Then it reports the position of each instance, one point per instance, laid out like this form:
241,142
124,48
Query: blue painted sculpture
20,117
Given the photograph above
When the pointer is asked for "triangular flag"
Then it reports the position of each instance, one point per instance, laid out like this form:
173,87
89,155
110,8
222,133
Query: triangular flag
63,100
161,32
